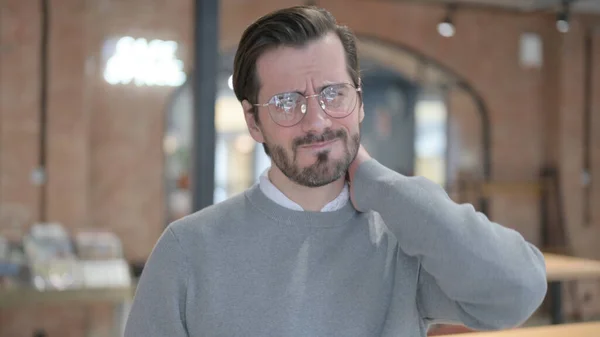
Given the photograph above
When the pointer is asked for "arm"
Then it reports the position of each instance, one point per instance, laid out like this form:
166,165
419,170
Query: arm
472,270
158,308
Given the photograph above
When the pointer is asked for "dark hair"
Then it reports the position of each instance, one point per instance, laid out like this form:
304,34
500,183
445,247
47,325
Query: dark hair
294,26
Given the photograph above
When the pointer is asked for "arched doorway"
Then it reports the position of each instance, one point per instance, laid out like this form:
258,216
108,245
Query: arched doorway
445,101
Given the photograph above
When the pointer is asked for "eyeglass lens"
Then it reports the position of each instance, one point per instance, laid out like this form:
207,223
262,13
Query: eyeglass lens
337,101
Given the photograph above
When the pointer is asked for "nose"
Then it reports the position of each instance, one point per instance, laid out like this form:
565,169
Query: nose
315,120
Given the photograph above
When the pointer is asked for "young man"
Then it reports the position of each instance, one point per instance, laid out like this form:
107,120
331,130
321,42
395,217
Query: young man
329,242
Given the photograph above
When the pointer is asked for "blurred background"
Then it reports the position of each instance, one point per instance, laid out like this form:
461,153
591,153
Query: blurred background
117,117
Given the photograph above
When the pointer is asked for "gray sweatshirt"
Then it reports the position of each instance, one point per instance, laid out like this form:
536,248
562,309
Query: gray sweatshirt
410,257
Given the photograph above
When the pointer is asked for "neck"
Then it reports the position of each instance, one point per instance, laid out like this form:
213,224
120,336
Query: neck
309,198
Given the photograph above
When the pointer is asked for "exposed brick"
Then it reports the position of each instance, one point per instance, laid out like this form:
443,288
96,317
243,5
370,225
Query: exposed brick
105,159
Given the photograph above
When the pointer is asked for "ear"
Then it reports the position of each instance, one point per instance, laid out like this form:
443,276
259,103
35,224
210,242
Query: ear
253,126
361,112
361,109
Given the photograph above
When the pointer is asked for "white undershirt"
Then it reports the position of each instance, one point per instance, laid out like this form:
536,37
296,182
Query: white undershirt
273,193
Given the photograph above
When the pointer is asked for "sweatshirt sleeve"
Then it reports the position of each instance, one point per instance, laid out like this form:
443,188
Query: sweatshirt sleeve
158,307
472,271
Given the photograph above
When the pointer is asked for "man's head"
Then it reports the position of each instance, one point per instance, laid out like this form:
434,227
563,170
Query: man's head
296,73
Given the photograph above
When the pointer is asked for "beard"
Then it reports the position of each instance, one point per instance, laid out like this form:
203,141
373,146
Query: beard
325,169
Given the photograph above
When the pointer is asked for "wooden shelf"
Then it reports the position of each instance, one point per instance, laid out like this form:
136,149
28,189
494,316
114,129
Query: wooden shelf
20,297
566,268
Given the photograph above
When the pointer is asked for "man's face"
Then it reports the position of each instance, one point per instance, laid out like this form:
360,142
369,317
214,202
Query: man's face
319,148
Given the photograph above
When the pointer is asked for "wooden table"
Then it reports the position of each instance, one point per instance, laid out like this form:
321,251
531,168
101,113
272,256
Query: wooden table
566,268
590,329
119,297
560,268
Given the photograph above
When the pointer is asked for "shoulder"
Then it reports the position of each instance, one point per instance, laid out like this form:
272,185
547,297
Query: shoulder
212,220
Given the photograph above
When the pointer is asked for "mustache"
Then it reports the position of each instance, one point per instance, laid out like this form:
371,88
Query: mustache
326,136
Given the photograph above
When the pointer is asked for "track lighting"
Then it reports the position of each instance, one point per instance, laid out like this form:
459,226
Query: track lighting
446,27
562,19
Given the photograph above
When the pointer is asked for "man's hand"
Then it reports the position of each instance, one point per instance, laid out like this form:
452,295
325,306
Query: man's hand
361,157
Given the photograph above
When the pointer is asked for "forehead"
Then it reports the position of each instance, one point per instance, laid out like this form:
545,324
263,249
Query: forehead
302,69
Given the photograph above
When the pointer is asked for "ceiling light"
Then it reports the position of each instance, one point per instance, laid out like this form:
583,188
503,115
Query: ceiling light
446,27
562,19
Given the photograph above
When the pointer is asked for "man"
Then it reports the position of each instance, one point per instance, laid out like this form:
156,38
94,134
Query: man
329,242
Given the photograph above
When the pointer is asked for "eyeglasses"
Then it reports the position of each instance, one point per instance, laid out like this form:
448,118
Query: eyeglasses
288,109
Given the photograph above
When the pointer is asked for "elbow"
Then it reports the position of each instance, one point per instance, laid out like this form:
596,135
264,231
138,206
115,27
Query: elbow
525,293
531,289
533,292
515,306
528,297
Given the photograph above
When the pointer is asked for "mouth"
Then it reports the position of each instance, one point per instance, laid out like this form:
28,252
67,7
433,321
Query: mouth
319,145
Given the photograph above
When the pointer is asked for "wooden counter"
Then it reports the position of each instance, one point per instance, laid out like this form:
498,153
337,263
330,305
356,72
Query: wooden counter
590,329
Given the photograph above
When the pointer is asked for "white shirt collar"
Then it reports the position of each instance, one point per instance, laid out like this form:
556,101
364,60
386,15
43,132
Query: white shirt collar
273,193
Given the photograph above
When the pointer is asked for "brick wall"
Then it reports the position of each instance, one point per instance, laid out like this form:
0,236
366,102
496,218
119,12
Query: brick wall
19,121
105,160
